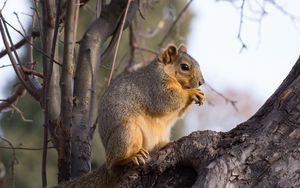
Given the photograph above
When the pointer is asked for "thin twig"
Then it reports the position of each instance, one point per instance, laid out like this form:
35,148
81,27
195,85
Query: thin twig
20,23
25,148
3,6
48,23
174,23
14,160
56,27
132,44
10,65
33,72
4,66
20,43
147,50
241,25
26,82
20,113
99,5
12,59
28,41
33,26
227,100
285,12
118,42
19,92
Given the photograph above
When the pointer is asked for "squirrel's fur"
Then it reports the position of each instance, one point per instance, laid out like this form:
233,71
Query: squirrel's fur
138,109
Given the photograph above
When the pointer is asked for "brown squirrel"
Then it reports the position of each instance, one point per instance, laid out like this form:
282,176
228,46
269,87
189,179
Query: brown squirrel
138,109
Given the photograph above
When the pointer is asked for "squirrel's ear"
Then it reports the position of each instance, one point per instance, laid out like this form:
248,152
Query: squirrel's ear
182,48
168,55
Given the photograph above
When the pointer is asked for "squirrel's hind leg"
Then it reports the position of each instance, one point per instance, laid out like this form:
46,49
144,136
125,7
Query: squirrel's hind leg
125,145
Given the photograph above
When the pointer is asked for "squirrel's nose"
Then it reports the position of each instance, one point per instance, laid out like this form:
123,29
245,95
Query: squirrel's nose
201,82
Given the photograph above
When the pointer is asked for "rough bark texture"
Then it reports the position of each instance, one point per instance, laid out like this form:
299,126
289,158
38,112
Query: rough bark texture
261,152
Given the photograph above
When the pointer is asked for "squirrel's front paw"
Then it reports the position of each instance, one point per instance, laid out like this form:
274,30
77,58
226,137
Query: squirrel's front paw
197,95
140,157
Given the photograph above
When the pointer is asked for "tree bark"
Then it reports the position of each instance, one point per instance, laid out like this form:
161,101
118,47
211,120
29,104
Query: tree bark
261,152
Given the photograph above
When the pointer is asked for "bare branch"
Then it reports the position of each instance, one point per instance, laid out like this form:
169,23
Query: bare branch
19,21
7,103
132,44
147,50
28,41
25,148
240,26
36,20
54,77
259,10
67,90
32,72
282,10
3,6
85,80
14,159
29,87
20,43
174,23
48,11
227,100
20,113
9,65
118,42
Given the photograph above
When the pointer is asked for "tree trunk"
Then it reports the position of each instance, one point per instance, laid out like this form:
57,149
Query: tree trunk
261,152
85,81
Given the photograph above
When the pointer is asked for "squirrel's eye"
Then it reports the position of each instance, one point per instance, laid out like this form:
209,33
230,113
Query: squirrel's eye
184,67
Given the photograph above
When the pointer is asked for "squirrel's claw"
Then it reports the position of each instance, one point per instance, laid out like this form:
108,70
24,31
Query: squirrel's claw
198,96
135,160
139,158
144,153
200,99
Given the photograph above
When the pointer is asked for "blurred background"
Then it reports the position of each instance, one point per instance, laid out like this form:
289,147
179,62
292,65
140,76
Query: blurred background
245,49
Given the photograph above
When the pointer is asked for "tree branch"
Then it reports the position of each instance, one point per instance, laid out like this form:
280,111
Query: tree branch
174,23
118,42
19,92
48,101
64,151
85,80
30,86
20,43
14,160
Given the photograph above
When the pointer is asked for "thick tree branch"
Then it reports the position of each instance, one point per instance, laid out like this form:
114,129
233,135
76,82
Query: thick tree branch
85,80
54,76
64,149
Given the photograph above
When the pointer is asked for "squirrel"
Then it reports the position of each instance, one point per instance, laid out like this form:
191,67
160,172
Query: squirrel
138,109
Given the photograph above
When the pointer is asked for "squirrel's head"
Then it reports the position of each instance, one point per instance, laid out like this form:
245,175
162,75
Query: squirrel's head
181,66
